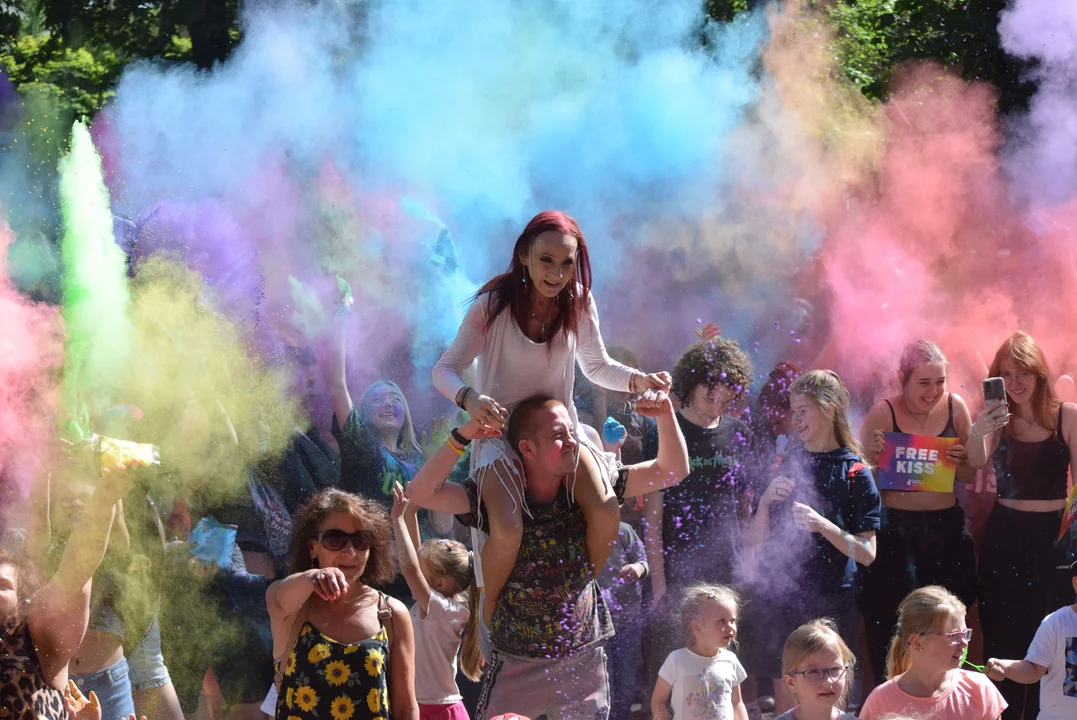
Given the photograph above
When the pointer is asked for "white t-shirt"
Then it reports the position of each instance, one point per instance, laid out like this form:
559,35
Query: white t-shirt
437,642
702,686
1055,648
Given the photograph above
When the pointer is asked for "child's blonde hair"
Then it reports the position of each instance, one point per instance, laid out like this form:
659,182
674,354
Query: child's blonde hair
825,389
696,597
813,637
920,613
451,560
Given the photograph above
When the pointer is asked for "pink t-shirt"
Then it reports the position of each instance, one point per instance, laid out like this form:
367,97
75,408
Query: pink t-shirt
972,697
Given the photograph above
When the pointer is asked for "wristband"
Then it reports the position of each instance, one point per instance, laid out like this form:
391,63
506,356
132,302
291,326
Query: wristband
461,398
460,439
458,450
976,434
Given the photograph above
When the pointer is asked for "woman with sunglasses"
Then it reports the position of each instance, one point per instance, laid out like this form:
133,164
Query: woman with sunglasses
1024,564
343,649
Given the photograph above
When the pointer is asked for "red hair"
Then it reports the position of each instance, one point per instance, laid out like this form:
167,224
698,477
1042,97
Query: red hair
509,290
1026,354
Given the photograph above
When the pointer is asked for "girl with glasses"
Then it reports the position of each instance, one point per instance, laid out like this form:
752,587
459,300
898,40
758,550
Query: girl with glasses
343,649
924,672
817,668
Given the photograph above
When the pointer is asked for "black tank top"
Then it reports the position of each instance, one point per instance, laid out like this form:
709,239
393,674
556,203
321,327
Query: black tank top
1032,470
947,432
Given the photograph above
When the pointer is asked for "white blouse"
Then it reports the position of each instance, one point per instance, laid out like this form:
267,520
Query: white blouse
512,367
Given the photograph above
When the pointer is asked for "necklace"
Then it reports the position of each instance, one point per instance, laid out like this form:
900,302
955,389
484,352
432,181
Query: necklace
542,322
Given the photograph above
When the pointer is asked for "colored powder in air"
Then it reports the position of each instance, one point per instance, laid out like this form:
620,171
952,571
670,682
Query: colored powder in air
96,299
31,343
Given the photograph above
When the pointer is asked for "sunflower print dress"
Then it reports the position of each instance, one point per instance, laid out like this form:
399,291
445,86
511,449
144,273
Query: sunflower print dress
328,680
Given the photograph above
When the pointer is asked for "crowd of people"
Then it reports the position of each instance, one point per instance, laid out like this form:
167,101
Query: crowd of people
580,539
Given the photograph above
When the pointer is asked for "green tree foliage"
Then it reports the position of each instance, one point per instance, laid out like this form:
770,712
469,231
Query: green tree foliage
878,35
72,51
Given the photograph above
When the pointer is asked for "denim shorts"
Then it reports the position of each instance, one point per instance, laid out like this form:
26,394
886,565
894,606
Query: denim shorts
147,663
113,688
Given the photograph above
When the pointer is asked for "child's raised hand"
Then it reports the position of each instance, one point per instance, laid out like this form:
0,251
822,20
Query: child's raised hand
400,502
430,441
995,670
709,332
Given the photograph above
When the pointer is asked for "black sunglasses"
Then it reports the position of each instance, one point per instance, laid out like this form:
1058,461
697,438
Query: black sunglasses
336,540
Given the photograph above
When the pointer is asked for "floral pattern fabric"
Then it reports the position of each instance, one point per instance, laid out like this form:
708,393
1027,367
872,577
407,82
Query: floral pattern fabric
328,680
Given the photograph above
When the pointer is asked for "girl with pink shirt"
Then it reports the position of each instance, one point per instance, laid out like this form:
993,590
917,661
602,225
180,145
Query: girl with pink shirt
924,665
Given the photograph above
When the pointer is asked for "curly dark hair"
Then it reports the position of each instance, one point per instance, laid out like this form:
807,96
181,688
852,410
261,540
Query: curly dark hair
712,363
371,518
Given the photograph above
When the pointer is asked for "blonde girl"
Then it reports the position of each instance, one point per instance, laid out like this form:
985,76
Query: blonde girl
817,667
442,581
819,513
924,665
703,678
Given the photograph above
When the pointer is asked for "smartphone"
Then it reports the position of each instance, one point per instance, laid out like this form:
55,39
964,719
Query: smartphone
994,389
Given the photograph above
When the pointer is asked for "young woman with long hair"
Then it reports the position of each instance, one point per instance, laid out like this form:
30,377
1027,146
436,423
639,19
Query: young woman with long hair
527,327
1024,567
923,539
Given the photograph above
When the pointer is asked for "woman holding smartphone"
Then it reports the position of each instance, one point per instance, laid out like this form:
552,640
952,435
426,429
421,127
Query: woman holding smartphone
1031,437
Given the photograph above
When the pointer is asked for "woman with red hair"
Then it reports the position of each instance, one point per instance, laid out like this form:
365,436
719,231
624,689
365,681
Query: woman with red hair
1024,565
528,327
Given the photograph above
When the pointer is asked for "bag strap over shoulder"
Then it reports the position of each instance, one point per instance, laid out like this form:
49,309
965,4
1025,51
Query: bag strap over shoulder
385,617
293,637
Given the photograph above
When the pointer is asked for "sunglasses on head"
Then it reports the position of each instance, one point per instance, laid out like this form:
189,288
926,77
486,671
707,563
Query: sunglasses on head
336,540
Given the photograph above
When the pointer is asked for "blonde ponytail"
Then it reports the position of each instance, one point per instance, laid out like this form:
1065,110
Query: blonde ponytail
922,612
471,659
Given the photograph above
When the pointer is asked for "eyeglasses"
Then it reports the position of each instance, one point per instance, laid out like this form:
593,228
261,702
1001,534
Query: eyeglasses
817,675
336,540
1022,376
955,637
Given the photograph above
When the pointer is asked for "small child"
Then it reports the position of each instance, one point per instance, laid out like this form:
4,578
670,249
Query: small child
703,678
817,666
442,581
924,675
621,582
1051,660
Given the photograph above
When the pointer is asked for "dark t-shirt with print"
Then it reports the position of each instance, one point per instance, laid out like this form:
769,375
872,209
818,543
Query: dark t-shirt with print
841,488
701,531
366,467
551,605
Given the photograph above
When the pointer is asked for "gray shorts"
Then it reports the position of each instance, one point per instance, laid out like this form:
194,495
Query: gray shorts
575,687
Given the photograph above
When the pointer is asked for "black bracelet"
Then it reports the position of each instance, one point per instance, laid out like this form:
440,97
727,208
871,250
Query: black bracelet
455,432
461,398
